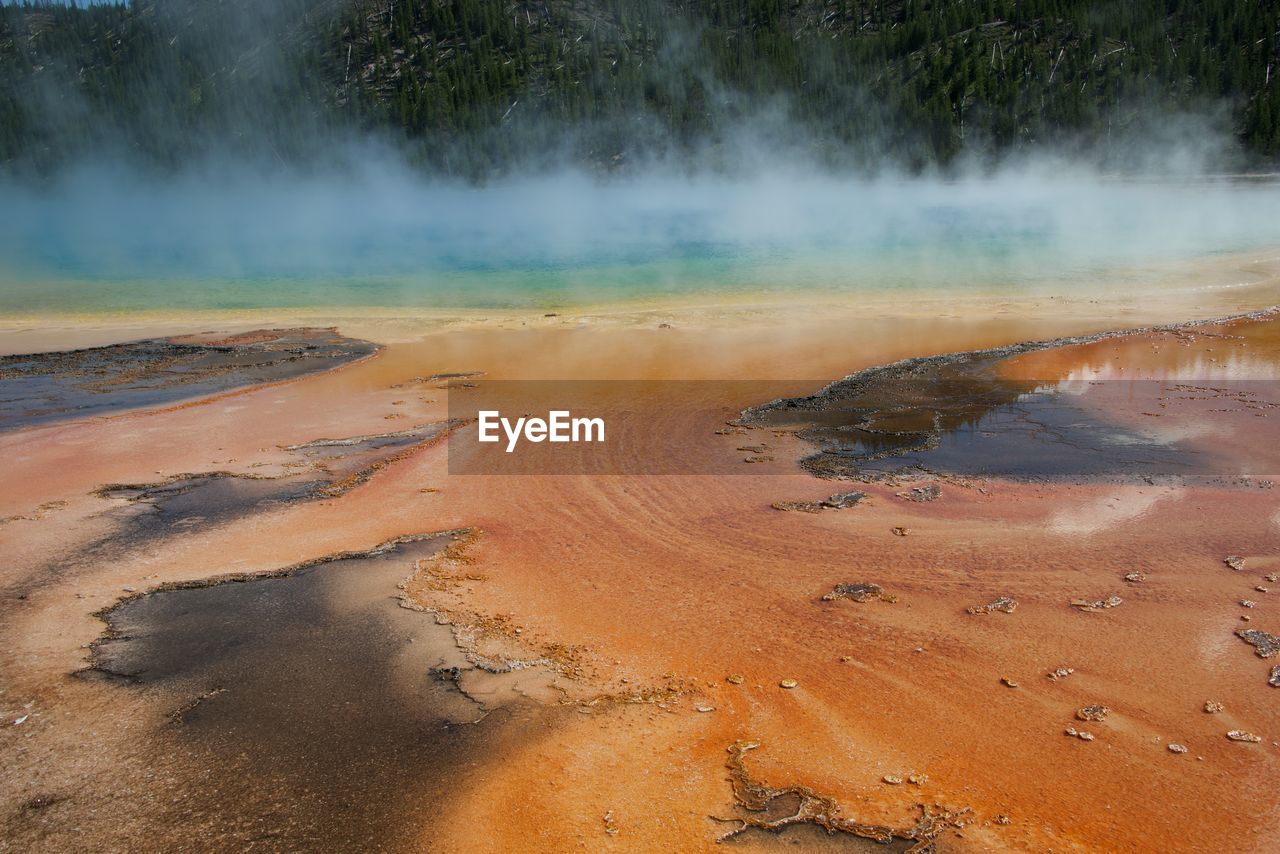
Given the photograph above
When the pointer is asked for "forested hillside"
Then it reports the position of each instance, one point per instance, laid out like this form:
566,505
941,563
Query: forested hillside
478,86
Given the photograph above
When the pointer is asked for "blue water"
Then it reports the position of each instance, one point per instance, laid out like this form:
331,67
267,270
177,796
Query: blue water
104,241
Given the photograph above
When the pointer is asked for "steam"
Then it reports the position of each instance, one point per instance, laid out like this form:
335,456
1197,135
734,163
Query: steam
322,218
378,232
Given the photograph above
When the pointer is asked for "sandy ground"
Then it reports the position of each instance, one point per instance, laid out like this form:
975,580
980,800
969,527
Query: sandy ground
646,592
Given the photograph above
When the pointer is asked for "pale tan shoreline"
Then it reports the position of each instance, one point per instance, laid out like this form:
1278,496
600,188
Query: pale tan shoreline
1183,291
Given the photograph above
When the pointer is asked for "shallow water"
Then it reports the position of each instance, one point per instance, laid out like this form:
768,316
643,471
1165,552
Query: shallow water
42,388
309,699
962,414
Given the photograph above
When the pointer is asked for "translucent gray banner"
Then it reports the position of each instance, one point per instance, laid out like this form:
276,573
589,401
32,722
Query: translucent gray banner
869,427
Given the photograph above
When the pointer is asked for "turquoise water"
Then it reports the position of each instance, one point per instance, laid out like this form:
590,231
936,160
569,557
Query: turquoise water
99,242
